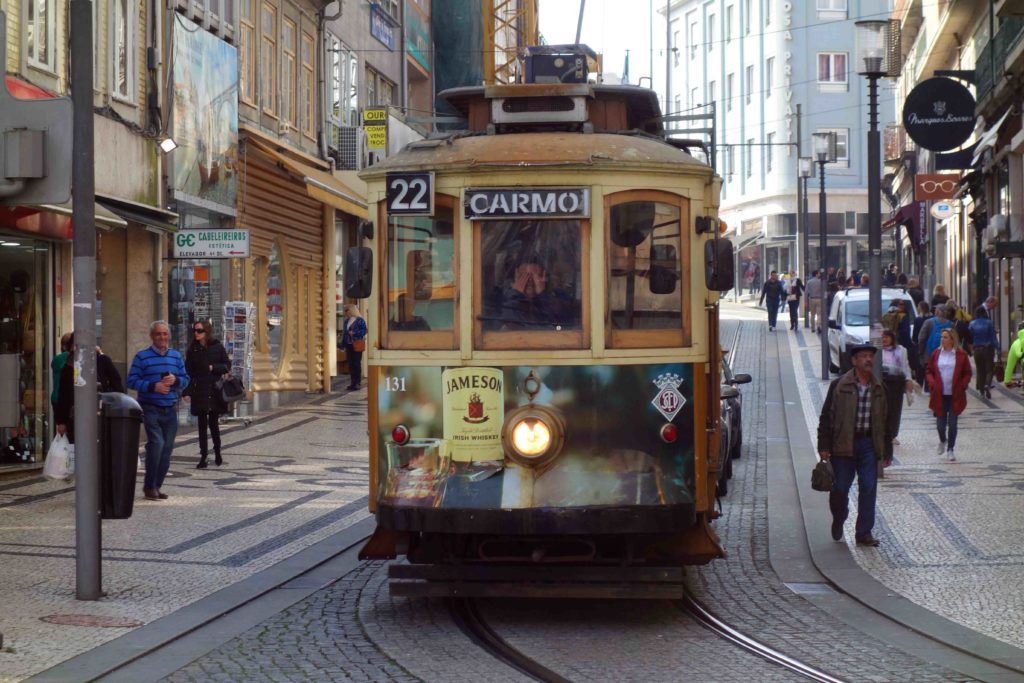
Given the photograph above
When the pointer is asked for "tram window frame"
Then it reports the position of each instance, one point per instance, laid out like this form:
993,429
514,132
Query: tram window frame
446,339
529,339
651,338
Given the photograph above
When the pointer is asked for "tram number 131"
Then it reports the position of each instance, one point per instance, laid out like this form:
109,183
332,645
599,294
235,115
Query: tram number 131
410,194
392,383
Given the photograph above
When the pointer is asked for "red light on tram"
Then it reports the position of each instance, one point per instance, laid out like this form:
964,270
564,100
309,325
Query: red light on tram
669,433
400,435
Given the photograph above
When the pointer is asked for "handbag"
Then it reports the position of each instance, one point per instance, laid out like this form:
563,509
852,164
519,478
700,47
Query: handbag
359,345
231,389
823,476
60,459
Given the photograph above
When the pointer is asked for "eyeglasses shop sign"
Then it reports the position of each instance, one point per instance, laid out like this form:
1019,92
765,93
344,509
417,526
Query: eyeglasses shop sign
527,202
939,114
211,244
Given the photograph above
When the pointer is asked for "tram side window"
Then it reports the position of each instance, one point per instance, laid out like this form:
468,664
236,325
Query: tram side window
530,272
421,274
645,283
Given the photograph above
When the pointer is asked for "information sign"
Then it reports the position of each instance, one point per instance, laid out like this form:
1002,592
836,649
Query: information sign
211,244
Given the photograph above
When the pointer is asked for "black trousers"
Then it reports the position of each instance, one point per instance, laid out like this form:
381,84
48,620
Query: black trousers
208,420
794,313
894,389
355,365
984,359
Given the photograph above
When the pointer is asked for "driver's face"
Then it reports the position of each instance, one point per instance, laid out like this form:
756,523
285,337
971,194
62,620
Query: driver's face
531,279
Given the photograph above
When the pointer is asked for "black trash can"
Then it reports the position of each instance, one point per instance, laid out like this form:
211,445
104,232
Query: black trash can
120,420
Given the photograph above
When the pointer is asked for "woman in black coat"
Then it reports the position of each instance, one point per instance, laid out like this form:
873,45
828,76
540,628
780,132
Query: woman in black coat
107,379
206,362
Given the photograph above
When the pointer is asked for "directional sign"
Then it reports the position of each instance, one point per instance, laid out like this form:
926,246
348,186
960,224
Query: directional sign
211,244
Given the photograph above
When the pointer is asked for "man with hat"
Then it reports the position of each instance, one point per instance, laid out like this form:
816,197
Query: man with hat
852,434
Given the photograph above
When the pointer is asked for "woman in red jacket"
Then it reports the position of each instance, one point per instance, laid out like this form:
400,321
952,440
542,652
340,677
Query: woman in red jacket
948,368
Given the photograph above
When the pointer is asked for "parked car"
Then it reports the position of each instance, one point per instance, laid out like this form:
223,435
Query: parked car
732,425
849,323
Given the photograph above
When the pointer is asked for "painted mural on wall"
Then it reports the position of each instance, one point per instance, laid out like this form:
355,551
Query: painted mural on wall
613,453
205,118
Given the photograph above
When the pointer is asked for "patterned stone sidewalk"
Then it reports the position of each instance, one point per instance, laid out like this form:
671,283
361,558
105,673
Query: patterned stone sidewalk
290,480
950,531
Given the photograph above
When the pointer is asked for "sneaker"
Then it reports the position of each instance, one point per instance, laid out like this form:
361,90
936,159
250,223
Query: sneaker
942,448
951,455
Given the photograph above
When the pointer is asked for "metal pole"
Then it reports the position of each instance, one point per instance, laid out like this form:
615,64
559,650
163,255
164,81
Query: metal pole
579,23
668,56
802,230
88,582
874,220
823,237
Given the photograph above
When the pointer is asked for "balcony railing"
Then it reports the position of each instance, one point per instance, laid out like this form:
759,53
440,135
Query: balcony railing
992,58
895,142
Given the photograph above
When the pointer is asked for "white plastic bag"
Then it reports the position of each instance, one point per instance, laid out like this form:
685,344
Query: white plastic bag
60,460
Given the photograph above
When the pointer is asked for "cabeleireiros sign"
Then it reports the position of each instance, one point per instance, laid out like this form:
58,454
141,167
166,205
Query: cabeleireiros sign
939,114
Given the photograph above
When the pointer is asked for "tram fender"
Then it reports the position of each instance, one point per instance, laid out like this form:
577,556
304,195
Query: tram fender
699,544
385,544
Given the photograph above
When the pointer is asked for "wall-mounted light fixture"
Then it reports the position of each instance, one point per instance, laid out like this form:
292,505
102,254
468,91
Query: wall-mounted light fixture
167,144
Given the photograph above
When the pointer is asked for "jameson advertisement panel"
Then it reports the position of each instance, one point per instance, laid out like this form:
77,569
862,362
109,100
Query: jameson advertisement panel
608,419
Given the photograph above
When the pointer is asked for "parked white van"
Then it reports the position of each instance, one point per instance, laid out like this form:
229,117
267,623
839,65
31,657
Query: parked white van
848,322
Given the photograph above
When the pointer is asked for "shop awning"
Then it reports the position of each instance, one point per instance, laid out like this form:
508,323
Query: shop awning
913,216
138,213
104,217
320,185
988,138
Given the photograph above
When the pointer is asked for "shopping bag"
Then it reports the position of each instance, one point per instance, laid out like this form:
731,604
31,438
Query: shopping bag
60,459
822,477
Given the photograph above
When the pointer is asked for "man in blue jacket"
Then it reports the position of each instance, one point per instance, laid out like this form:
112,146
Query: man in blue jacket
158,374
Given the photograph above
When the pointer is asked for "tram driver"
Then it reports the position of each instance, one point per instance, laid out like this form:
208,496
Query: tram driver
527,302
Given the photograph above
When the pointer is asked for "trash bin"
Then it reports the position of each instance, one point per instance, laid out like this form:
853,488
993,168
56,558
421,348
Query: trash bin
120,419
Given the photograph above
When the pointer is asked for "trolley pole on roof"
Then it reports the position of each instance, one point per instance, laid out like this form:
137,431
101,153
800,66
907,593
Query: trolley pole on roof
88,583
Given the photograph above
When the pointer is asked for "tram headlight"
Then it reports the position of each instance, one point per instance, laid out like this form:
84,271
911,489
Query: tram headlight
533,435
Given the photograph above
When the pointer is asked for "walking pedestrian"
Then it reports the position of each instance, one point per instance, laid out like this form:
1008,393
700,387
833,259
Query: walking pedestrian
931,332
1015,354
983,332
794,292
158,374
774,293
924,313
206,361
949,375
57,364
896,380
853,435
354,341
939,296
107,379
915,291
891,273
813,290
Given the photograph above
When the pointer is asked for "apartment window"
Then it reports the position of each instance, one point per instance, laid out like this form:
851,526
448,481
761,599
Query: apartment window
730,160
380,91
268,58
750,82
710,38
728,92
41,33
288,64
246,51
123,54
678,104
831,5
748,157
767,12
693,97
675,48
769,76
842,144
746,16
728,23
344,88
390,7
693,39
307,91
769,152
711,91
832,68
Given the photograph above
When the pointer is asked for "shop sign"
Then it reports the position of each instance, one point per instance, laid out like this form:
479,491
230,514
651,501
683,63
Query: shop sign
524,202
474,411
933,186
375,123
211,244
381,27
939,114
417,35
942,210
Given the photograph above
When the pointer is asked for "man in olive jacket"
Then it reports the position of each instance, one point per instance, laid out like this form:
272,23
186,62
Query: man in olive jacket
852,434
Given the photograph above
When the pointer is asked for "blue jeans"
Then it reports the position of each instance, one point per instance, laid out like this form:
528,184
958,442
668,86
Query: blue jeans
161,427
773,311
864,465
946,422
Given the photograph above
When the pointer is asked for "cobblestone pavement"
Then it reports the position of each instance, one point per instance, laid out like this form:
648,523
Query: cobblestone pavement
290,480
950,531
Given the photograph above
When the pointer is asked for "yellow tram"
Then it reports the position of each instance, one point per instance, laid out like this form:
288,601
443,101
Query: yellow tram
543,359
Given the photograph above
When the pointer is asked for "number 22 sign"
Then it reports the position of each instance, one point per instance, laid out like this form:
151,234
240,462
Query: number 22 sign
410,194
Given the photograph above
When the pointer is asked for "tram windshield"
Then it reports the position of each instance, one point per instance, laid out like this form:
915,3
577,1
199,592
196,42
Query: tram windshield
530,273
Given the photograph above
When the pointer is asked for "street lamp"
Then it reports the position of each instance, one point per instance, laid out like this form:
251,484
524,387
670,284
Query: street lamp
805,166
824,153
872,53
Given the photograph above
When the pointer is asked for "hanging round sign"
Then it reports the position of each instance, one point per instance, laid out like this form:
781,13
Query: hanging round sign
939,114
942,210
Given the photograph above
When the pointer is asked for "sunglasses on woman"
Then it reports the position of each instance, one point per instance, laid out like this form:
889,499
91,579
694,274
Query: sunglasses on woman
199,330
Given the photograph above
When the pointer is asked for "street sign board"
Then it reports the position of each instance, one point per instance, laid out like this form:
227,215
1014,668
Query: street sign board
375,123
211,244
942,210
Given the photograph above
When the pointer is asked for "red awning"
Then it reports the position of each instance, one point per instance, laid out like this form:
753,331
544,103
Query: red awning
24,90
914,216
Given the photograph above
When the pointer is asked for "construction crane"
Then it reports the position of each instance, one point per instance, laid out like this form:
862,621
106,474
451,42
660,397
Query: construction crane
510,26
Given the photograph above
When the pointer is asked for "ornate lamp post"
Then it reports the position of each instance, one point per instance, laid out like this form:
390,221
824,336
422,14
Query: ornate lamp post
824,153
872,51
806,169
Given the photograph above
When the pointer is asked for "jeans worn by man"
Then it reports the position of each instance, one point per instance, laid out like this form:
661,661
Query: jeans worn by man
158,375
853,434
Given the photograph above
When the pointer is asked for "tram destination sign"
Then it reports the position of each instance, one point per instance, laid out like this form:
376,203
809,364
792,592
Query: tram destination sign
211,244
502,203
410,194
